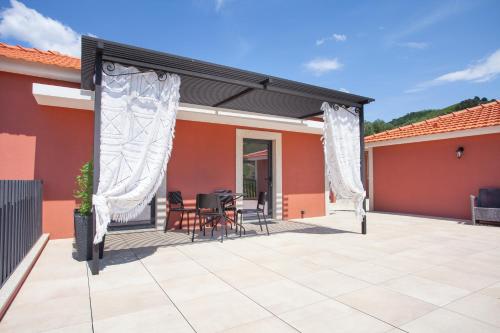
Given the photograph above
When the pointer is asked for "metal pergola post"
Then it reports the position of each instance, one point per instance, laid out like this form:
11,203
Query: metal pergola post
94,265
362,160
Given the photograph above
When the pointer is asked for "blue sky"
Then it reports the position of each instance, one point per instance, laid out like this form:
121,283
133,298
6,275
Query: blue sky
408,55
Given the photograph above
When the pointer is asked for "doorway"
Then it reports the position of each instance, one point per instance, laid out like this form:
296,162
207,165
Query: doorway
254,141
257,173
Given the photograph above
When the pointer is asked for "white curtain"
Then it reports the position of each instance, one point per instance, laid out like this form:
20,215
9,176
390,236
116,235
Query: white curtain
138,113
342,154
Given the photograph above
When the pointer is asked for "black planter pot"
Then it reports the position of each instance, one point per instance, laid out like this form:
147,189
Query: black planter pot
83,236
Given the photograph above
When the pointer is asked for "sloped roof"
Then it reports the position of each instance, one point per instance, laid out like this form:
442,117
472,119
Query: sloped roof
43,57
476,117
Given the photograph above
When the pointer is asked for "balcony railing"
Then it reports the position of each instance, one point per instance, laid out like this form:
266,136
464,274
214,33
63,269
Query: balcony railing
250,188
20,222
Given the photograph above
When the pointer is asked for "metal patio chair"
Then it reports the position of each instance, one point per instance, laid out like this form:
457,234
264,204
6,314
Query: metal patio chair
261,202
228,204
209,210
176,204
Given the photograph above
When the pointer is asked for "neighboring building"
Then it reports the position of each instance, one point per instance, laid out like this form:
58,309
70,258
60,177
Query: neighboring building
415,169
46,132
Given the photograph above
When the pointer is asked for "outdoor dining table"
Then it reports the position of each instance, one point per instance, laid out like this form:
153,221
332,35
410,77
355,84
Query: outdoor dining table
234,196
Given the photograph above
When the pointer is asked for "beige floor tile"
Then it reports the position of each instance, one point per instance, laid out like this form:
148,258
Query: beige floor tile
361,253
126,297
401,263
430,255
225,261
370,272
166,271
426,290
222,311
118,301
117,258
158,255
283,295
267,325
298,250
42,290
120,276
482,263
56,269
327,259
387,305
444,321
248,276
188,288
78,328
331,283
493,290
47,315
292,268
161,319
478,306
457,278
332,316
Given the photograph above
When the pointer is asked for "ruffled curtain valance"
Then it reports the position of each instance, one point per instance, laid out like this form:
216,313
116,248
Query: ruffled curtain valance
138,113
342,154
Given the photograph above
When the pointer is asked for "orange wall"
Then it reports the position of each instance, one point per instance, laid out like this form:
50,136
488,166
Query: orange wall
427,178
303,175
43,143
204,159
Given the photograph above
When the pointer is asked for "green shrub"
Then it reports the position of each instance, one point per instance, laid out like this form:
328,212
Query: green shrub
83,192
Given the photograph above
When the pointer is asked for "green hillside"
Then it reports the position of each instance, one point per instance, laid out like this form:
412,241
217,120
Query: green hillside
377,126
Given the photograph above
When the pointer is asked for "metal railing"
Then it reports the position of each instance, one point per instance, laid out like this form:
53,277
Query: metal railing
20,222
250,188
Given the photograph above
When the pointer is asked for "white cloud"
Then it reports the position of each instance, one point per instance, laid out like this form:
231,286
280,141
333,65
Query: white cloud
321,66
415,45
482,71
334,37
344,90
27,25
339,38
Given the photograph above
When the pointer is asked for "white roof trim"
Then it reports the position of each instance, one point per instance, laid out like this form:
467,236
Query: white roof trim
40,70
438,136
84,99
64,97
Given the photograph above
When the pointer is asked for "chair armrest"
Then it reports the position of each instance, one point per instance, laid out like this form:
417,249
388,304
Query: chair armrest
473,200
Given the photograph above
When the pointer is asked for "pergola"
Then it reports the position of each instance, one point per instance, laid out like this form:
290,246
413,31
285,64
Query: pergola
213,85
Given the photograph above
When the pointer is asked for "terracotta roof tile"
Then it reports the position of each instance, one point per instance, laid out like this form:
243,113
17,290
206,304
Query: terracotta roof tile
43,57
476,117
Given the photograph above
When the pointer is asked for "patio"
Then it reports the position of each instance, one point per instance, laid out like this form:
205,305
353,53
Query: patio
409,273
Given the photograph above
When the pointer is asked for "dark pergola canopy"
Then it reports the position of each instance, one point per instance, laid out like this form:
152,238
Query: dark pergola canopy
208,84
212,85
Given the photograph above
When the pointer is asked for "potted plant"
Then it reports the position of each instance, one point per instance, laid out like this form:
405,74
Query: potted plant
83,214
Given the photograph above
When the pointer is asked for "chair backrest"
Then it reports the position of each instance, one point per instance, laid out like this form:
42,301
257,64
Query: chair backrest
175,199
489,197
261,200
225,199
208,201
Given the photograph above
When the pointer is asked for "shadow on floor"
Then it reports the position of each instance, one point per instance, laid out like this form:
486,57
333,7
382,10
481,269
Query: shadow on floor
124,247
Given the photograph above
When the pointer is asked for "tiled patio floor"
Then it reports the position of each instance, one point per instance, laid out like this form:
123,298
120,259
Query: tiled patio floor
408,274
